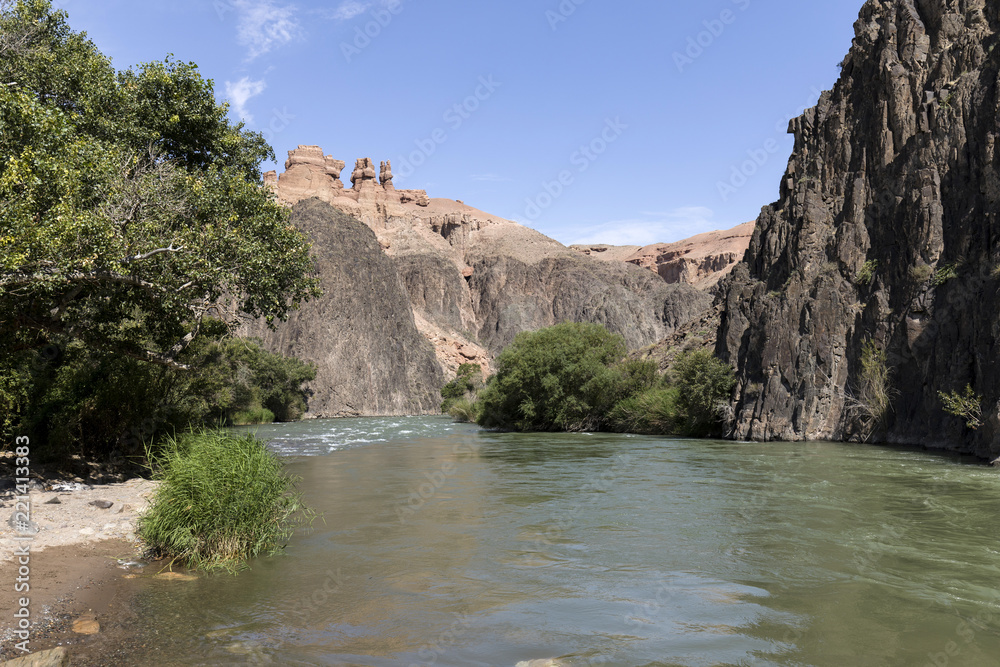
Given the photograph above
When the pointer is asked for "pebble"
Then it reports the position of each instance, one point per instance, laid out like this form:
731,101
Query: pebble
102,504
176,576
54,500
86,531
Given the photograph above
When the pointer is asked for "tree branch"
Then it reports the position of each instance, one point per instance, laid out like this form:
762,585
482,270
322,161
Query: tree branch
152,253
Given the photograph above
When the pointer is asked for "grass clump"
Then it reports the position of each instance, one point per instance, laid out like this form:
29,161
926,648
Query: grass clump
223,500
921,273
253,416
873,395
468,380
463,411
651,412
944,274
867,272
968,406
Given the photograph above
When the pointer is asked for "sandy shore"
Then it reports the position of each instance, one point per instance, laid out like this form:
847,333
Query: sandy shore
74,520
78,558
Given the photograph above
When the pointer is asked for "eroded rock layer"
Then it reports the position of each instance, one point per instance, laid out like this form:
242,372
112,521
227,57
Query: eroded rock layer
885,234
471,282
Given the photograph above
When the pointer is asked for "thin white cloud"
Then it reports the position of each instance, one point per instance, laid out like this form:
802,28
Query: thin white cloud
348,10
263,26
660,227
490,178
241,92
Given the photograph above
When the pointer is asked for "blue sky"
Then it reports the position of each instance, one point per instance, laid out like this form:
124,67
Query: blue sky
589,120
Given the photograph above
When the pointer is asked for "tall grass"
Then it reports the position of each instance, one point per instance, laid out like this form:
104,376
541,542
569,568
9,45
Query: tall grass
654,411
874,393
253,416
463,410
223,500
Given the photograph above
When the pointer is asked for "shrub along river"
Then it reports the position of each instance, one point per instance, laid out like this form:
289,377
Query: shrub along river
447,545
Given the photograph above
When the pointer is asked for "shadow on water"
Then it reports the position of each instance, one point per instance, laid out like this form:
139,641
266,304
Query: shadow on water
525,450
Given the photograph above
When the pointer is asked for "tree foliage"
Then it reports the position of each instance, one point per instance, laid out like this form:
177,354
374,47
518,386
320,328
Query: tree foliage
134,235
130,207
557,379
573,377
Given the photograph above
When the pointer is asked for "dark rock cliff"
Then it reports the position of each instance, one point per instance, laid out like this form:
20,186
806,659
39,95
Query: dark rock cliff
371,358
510,296
886,231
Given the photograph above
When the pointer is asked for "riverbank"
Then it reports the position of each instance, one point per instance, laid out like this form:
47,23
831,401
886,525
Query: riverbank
84,547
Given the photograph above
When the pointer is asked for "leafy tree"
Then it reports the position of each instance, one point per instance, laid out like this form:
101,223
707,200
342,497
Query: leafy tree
559,378
130,207
703,383
133,223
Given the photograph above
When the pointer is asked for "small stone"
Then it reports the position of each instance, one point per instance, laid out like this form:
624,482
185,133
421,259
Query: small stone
86,626
54,500
176,576
86,531
102,504
22,525
57,657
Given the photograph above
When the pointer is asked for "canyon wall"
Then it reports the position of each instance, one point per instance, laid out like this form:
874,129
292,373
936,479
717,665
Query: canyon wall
398,266
885,236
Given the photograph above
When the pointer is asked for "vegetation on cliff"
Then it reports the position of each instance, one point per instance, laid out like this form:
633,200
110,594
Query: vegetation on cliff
131,212
574,377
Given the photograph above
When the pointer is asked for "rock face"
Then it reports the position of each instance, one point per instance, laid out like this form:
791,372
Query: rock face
468,282
371,358
701,260
886,231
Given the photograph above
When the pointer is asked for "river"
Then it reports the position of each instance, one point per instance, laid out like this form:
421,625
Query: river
442,544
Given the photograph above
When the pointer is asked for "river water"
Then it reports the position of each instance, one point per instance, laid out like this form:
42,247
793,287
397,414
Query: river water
442,544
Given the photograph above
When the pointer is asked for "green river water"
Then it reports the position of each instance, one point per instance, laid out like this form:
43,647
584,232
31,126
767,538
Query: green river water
446,545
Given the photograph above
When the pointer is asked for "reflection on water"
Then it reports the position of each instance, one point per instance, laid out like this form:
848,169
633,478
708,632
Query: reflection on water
445,545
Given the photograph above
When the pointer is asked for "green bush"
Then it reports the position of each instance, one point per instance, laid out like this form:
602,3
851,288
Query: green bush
468,380
555,379
71,399
968,406
222,501
704,383
653,412
254,416
867,272
463,410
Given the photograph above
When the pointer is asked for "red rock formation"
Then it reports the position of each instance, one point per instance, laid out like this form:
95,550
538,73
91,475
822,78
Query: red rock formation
701,260
475,280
